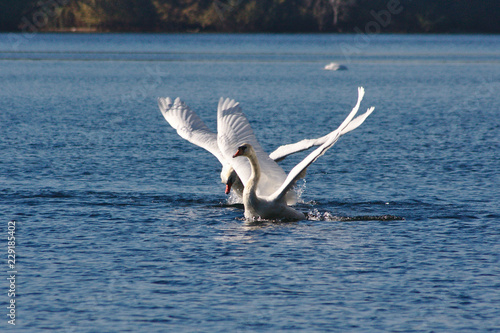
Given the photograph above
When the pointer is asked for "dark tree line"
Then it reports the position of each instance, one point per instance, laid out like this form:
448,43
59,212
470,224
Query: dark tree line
252,15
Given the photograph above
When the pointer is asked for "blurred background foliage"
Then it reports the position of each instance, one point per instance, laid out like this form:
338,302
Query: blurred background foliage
461,16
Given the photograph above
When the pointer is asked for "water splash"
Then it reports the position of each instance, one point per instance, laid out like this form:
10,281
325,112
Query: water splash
300,188
316,215
233,199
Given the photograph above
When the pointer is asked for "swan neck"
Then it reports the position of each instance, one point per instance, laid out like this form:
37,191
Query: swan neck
255,175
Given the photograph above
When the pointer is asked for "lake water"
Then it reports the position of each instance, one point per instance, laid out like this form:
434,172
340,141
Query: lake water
121,225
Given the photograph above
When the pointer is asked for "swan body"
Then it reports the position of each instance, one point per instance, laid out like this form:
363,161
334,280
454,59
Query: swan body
274,206
262,207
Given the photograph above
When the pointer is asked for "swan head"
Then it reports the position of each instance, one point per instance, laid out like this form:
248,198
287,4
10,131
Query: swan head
245,149
231,179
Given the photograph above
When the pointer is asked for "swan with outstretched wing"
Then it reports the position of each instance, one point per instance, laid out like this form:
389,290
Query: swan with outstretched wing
274,206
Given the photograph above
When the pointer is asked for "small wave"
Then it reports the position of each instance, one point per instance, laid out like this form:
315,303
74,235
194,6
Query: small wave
234,205
316,215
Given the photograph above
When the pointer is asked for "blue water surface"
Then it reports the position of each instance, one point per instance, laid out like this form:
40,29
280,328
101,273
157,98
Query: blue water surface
121,225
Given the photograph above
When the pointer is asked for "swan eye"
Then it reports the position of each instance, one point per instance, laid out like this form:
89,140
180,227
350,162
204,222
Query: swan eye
242,149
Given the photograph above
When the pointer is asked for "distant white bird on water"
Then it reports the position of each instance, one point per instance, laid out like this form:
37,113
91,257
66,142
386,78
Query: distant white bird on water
333,66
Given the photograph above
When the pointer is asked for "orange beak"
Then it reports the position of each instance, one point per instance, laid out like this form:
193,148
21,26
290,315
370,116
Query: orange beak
228,187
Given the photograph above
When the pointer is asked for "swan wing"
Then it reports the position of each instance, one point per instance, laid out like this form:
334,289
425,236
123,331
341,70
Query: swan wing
297,172
283,151
356,122
189,126
233,130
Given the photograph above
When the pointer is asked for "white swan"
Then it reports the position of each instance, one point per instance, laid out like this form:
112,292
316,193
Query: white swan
269,207
333,66
274,206
190,127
